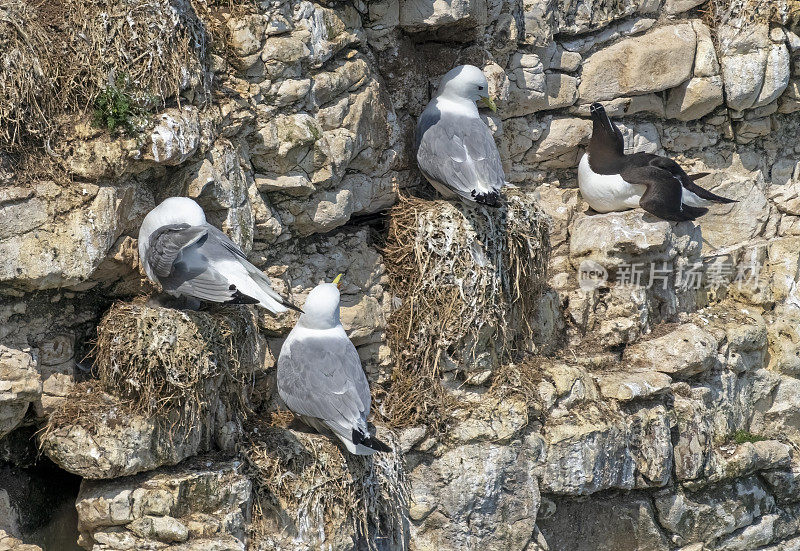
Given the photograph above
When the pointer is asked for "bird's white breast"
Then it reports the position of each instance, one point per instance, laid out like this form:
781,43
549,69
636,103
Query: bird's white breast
607,192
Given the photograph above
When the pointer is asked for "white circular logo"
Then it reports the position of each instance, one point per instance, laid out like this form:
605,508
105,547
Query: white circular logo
591,275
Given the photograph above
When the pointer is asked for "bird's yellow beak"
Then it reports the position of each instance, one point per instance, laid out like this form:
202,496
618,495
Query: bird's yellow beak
338,280
488,102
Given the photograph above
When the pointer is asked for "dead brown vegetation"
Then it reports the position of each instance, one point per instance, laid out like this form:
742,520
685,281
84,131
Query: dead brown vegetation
305,482
469,281
161,358
56,57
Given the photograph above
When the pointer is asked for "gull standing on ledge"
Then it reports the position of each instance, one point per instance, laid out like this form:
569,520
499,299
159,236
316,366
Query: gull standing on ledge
611,181
454,147
190,258
320,376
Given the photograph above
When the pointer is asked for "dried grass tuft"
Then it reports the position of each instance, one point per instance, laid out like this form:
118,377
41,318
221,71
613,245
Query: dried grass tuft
161,358
26,63
309,489
519,379
57,57
88,404
743,13
469,280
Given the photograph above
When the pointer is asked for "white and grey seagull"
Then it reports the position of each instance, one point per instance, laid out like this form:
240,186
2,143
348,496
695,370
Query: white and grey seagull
190,258
455,149
320,376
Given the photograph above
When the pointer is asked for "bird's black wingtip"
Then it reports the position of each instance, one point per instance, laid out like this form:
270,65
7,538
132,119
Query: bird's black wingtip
369,441
239,297
490,198
292,306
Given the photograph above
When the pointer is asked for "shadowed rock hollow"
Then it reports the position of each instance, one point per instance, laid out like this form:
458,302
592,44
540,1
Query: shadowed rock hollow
654,407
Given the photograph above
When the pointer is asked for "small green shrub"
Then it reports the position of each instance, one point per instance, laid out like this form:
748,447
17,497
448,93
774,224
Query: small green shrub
742,436
115,108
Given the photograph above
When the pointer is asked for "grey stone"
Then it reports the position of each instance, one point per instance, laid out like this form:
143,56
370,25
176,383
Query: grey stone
661,59
682,353
20,385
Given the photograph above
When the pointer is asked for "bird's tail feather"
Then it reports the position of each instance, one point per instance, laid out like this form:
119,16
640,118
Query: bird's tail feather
269,297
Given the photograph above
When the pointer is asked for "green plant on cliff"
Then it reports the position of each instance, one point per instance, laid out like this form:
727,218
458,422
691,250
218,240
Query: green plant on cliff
743,436
115,108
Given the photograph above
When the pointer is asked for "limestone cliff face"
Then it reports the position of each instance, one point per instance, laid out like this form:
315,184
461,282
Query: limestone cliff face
651,413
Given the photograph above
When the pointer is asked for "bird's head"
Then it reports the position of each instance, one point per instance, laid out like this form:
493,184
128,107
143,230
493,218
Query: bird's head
467,82
321,309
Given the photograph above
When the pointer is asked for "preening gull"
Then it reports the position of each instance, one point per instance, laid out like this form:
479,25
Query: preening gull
191,258
611,181
455,149
320,376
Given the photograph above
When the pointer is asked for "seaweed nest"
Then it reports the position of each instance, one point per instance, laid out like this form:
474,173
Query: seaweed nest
308,489
162,359
57,57
469,280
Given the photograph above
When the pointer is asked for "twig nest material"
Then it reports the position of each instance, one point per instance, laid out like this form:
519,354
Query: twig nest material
170,384
468,279
310,494
158,358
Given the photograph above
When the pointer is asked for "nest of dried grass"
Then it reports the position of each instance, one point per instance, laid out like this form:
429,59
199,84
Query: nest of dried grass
89,405
744,13
160,358
309,490
57,57
469,280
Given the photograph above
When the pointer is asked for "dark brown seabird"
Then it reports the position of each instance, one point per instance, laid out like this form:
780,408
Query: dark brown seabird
611,181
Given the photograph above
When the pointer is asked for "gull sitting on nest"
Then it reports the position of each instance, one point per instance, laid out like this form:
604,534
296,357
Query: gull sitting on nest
320,376
455,149
192,259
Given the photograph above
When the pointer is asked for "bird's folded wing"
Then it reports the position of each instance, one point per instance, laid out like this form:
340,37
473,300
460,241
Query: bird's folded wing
688,181
663,194
219,246
167,243
323,378
459,152
218,236
205,284
177,255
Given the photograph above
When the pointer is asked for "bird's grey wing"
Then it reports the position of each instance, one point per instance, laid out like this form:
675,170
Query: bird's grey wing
167,243
459,152
177,256
323,378
219,246
218,237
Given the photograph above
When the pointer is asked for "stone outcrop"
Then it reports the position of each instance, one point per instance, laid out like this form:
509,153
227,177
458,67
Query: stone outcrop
660,410
203,504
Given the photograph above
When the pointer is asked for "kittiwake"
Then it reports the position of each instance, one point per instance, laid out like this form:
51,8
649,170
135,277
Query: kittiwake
190,258
320,376
454,147
611,181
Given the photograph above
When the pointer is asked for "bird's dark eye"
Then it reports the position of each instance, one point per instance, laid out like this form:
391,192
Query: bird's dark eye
480,87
